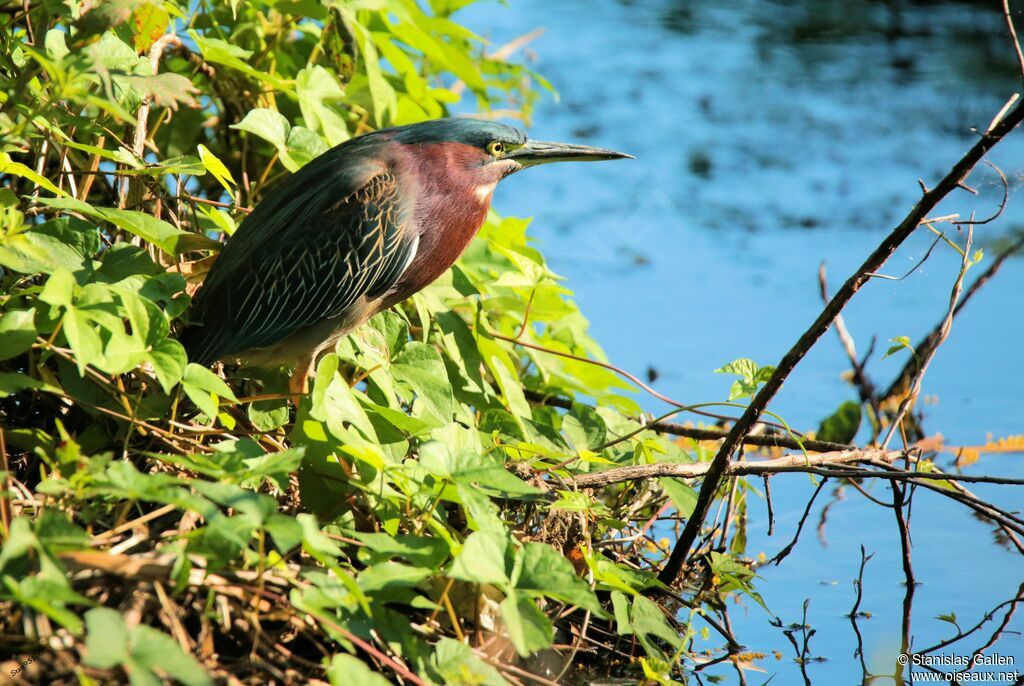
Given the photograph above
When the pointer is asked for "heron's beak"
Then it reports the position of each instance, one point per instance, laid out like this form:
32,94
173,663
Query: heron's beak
541,152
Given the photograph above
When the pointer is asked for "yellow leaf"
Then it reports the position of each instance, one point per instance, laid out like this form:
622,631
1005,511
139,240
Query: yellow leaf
220,172
591,456
150,22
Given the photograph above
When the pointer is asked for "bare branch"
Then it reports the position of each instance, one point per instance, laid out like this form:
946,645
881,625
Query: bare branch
864,386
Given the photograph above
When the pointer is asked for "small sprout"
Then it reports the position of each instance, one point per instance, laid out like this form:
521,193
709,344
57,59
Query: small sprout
899,343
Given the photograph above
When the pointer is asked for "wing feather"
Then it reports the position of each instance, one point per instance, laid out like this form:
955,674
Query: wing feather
306,257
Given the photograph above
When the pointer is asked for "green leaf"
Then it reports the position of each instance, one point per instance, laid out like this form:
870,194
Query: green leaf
482,559
390,575
56,43
15,382
159,653
584,428
17,332
683,497
221,220
471,468
545,571
270,125
168,359
296,146
302,146
179,165
529,629
899,343
267,415
8,166
314,540
286,531
106,638
79,237
457,665
842,425
114,54
20,541
419,550
735,576
145,226
203,387
59,289
648,619
222,52
751,376
316,87
419,366
385,102
620,606
346,670
65,243
83,338
58,533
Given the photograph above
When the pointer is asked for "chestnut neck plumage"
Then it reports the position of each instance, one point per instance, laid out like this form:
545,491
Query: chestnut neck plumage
454,183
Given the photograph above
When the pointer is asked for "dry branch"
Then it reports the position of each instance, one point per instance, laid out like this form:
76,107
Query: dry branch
786,463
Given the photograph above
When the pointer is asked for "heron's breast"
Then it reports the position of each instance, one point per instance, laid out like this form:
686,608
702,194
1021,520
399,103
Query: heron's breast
446,227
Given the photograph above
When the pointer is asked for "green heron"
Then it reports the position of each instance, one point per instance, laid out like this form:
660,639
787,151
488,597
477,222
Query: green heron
355,231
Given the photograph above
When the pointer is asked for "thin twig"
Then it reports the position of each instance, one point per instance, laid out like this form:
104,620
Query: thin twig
898,501
1013,34
782,554
859,583
924,359
900,383
706,433
864,386
5,504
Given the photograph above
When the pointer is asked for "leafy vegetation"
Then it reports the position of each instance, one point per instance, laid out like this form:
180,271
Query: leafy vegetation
415,517
470,494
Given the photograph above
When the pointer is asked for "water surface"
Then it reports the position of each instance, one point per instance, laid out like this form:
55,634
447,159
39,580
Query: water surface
771,136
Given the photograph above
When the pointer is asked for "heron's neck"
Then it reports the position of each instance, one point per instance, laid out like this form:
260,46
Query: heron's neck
453,196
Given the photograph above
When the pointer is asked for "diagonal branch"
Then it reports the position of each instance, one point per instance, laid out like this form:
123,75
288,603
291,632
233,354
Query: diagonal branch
873,263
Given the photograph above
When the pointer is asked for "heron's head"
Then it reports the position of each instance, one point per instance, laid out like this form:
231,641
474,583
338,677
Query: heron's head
488,151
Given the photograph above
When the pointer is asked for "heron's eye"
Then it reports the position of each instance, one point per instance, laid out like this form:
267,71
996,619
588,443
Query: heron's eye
496,148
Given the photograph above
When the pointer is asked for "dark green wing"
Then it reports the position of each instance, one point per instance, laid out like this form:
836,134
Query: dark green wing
306,254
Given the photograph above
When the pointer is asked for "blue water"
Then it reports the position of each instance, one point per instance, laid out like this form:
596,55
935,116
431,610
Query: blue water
770,136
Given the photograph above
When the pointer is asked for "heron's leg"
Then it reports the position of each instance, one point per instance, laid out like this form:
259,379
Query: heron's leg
298,384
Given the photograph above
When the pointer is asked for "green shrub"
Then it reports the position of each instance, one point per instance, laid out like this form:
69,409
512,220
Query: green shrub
168,521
